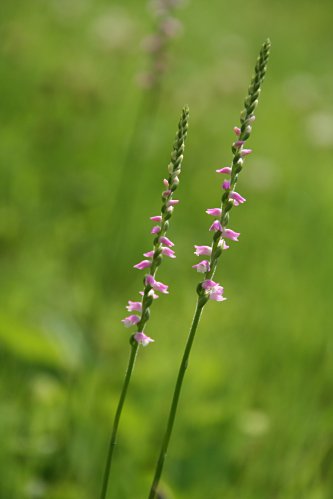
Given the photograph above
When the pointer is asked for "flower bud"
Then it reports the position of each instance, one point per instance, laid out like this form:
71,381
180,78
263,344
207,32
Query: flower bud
148,300
145,315
225,219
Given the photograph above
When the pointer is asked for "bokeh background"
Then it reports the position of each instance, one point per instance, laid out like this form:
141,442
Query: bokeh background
84,145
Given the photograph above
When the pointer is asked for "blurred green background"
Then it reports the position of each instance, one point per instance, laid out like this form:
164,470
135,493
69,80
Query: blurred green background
83,149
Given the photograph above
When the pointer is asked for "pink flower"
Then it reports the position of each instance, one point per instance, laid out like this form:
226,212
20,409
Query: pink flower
239,143
202,250
202,267
209,284
214,289
134,306
245,152
216,226
156,218
156,229
149,280
217,294
165,251
226,185
226,169
216,212
230,234
238,199
162,288
166,182
166,241
173,202
166,194
237,131
142,339
142,265
217,297
168,252
157,286
131,320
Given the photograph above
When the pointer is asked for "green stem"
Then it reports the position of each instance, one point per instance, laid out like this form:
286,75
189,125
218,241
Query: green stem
175,400
113,439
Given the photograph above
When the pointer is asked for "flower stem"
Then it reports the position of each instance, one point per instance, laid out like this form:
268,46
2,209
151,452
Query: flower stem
113,439
175,400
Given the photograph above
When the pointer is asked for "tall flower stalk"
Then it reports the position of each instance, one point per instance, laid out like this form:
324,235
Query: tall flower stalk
207,288
167,27
162,246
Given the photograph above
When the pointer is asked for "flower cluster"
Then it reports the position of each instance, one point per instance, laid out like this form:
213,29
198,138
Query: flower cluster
208,289
162,245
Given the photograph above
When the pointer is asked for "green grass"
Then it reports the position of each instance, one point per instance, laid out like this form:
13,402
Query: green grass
255,419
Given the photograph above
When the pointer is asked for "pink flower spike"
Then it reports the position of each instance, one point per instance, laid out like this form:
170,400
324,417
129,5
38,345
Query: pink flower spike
156,229
230,234
134,306
162,288
226,185
166,194
245,152
168,252
202,267
149,254
131,320
166,182
238,199
142,339
142,265
203,250
226,169
173,202
237,131
209,284
216,212
156,218
166,241
216,226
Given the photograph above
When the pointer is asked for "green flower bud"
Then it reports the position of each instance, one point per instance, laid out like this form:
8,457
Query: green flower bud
217,236
145,315
228,205
225,219
148,300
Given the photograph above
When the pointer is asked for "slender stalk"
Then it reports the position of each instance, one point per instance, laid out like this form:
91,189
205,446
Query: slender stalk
175,400
209,289
150,284
113,439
